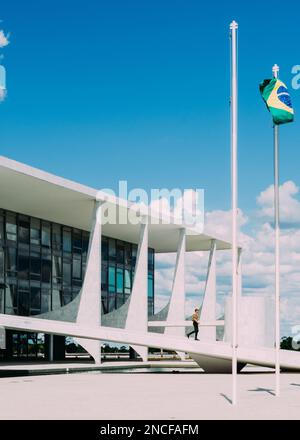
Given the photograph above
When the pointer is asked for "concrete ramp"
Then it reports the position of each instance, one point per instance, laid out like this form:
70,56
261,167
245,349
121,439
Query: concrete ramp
207,354
289,360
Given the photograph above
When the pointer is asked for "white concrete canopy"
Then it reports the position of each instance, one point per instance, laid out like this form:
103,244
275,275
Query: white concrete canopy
40,194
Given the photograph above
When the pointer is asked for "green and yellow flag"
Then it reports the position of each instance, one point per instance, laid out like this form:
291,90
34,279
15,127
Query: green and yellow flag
277,98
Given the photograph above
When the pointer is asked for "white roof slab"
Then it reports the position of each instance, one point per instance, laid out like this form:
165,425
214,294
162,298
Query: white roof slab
34,192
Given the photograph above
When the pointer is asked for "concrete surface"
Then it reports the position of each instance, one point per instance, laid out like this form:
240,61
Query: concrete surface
10,369
112,396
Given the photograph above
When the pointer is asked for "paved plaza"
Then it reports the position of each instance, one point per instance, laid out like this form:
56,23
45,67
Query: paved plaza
139,395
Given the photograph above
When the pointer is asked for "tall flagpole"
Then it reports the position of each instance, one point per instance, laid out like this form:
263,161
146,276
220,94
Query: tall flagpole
275,71
234,129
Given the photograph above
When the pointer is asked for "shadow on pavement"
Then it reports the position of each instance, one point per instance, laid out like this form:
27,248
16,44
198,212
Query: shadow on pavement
266,390
226,398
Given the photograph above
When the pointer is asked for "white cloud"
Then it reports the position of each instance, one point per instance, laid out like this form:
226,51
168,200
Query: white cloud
187,205
289,205
219,223
258,256
4,39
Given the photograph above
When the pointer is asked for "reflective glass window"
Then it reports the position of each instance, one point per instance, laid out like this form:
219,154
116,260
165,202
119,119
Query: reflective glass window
1,264
134,254
85,243
23,303
66,272
32,346
46,267
120,280
39,256
75,291
35,231
77,239
77,266
35,265
127,256
111,279
66,297
104,303
1,227
119,300
83,268
11,227
56,236
45,301
112,249
150,306
150,259
104,277
127,281
150,284
23,263
67,240
24,230
120,253
11,300
35,298
56,268
11,260
46,234
2,300
111,303
104,249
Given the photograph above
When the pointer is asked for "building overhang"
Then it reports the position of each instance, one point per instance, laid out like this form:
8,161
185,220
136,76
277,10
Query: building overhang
33,192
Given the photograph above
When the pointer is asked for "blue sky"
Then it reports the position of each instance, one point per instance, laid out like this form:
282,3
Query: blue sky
138,90
100,91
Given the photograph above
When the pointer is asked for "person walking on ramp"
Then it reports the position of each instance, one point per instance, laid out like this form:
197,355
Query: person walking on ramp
195,319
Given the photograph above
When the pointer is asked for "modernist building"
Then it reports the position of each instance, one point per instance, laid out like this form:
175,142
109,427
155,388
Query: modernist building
45,230
65,271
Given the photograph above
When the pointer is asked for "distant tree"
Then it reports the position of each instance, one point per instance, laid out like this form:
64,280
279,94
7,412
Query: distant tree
286,343
106,348
74,348
157,350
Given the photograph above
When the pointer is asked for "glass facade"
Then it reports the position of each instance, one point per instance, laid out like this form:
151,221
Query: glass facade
27,345
42,266
118,263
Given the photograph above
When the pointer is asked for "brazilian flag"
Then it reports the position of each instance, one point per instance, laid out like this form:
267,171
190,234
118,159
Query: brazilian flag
277,98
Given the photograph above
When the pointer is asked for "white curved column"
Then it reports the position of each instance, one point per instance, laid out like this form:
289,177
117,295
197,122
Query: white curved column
89,312
208,310
137,317
177,301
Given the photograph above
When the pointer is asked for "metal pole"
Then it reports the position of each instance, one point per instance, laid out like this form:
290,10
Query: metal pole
275,71
234,129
